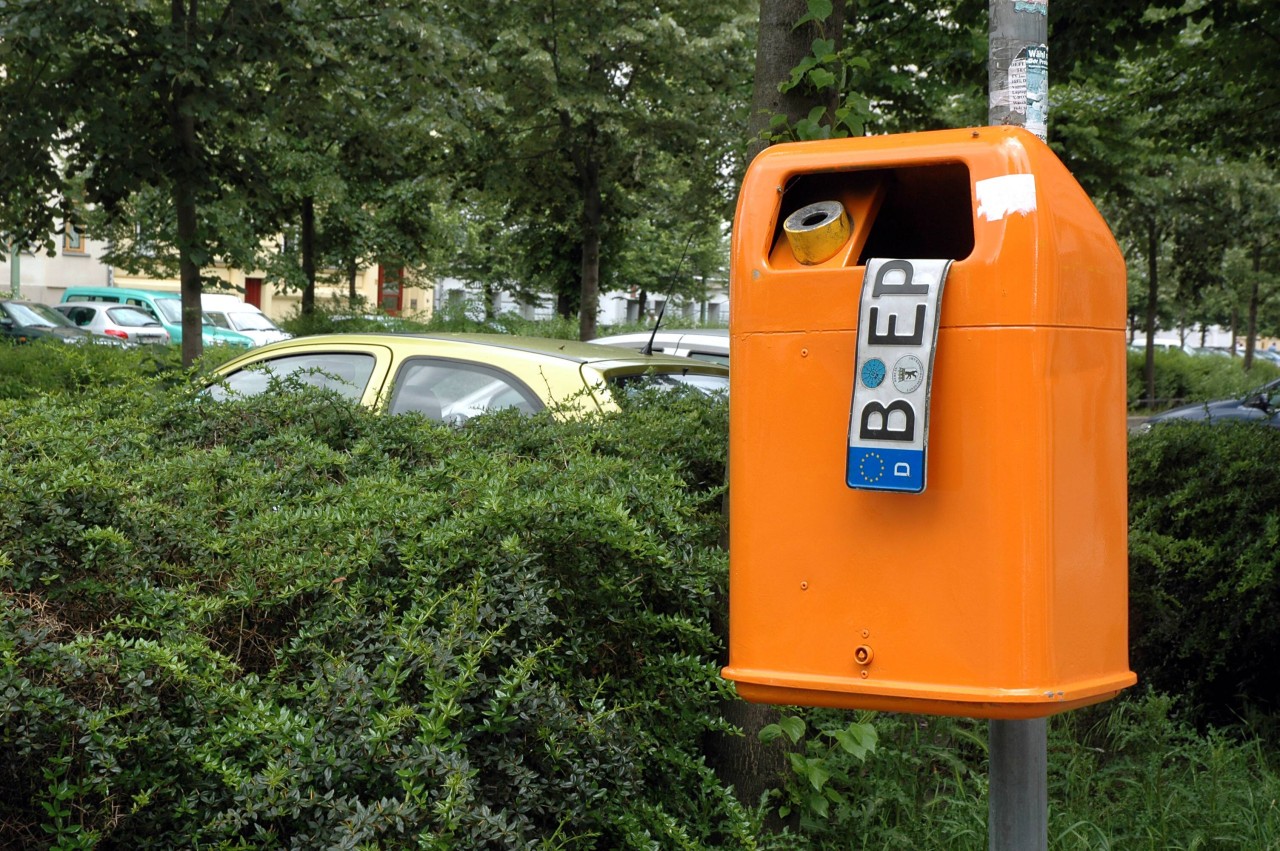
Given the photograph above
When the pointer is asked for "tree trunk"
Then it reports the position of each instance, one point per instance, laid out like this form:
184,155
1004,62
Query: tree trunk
780,46
592,215
309,255
1153,258
743,762
188,275
1251,332
186,161
352,295
490,297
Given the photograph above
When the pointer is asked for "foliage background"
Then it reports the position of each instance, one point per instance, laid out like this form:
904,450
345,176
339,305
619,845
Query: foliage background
285,623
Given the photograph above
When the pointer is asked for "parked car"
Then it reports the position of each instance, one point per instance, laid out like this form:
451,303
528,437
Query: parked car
235,314
24,321
1260,405
452,377
121,321
1270,355
708,344
164,307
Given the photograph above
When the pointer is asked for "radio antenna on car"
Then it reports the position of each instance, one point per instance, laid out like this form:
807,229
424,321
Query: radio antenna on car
648,347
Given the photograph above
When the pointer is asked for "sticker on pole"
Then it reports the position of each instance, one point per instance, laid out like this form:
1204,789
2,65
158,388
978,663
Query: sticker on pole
897,333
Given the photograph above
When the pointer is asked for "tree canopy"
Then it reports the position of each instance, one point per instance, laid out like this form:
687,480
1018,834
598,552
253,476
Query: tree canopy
568,147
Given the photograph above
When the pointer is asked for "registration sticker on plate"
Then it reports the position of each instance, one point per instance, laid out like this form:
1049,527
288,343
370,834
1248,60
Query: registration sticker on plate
897,334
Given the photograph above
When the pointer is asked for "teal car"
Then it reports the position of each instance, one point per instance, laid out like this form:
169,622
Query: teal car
166,307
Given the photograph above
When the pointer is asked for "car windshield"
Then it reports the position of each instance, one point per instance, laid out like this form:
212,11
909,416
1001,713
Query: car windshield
170,309
699,381
1266,391
251,321
36,315
130,317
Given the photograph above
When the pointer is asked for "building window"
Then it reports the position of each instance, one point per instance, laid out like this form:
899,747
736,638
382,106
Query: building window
72,240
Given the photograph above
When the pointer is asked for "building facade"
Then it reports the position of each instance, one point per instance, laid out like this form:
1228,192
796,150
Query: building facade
78,261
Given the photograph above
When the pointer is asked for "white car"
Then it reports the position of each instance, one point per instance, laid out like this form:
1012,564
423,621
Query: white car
121,321
234,314
708,344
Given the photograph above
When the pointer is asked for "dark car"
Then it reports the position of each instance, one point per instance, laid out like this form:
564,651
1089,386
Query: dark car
24,321
1258,405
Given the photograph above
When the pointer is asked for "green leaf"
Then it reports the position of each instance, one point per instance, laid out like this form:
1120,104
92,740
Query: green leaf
857,739
821,78
769,733
819,10
793,726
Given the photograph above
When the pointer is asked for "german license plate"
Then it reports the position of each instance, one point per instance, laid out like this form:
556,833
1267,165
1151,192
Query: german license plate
897,334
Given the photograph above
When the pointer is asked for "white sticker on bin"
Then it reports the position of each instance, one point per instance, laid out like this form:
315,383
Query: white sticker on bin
893,368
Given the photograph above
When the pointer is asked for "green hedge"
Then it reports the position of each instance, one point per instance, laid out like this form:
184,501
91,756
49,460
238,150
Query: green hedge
287,623
46,367
1204,560
1181,377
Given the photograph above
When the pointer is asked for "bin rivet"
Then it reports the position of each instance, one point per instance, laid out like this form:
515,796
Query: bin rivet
866,633
864,675
804,353
804,586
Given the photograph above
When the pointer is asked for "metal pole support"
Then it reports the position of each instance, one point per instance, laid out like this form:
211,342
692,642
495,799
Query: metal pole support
1018,806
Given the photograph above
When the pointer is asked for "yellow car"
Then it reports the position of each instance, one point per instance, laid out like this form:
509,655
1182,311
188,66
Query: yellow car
452,377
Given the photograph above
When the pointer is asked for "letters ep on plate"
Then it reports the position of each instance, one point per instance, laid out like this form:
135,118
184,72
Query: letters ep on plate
897,334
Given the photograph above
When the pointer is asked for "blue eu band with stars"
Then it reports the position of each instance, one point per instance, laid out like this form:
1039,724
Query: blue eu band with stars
886,469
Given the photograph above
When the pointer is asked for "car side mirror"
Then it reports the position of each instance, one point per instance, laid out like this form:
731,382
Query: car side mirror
1259,401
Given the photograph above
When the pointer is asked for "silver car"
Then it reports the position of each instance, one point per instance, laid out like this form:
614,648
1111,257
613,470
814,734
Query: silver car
124,322
708,344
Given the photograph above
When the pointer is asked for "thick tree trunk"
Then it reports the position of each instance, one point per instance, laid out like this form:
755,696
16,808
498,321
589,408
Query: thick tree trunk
780,47
309,255
751,767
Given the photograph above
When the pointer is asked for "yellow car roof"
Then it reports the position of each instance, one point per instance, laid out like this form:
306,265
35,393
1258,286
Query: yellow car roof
603,357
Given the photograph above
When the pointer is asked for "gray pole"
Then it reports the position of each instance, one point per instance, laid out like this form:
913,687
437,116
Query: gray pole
15,273
1018,803
1018,64
1018,94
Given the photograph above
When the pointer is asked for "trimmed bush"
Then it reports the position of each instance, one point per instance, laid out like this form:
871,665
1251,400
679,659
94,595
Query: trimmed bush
287,623
1181,377
1204,560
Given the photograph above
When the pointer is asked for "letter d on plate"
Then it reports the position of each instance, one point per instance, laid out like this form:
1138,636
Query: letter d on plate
893,371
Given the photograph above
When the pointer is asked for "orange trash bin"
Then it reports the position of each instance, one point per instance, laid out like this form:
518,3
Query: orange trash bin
999,590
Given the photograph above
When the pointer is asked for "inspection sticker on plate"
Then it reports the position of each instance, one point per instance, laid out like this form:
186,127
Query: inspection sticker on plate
897,332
